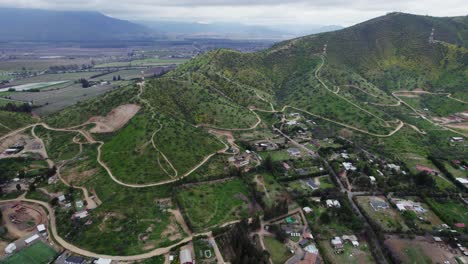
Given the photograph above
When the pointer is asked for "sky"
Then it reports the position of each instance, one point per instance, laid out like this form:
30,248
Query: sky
252,12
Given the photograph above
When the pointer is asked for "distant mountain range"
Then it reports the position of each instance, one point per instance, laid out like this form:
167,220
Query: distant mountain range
46,25
234,30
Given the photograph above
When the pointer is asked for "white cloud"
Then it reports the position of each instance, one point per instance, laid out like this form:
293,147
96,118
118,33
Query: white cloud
342,12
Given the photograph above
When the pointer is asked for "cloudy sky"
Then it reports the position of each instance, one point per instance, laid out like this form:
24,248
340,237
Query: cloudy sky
260,12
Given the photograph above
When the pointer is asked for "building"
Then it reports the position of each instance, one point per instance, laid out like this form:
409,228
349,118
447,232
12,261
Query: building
80,214
425,169
372,179
307,210
378,204
404,205
337,243
462,181
352,238
186,257
333,203
75,260
311,184
394,167
294,152
457,139
31,239
10,248
103,261
349,166
61,198
41,228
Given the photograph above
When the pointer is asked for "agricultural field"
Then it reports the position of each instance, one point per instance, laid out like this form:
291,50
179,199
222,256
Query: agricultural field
279,253
54,77
277,155
450,211
142,62
30,86
38,253
54,100
39,64
351,254
213,203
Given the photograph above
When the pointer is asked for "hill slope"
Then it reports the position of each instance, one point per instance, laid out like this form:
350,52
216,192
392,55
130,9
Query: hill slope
44,25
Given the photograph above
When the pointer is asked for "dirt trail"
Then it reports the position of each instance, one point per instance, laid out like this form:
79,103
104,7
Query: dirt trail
180,219
90,202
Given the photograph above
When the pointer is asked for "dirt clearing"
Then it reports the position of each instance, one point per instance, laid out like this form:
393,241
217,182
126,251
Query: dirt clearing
114,120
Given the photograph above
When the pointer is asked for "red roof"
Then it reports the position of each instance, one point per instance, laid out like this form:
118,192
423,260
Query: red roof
460,225
426,169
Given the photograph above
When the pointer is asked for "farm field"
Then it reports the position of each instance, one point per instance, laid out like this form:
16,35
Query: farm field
450,211
39,64
143,62
54,100
55,77
279,254
38,253
351,255
211,204
277,155
29,86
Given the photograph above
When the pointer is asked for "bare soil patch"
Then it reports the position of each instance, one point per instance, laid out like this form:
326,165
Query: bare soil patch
437,252
462,126
114,120
21,219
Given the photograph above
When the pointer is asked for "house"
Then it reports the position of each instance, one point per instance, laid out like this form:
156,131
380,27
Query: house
307,210
456,139
286,166
463,181
307,235
337,243
41,228
311,184
10,248
345,155
437,239
61,198
80,214
349,166
377,203
404,205
103,261
425,169
352,238
75,260
186,257
394,167
372,179
333,203
294,152
459,225
79,204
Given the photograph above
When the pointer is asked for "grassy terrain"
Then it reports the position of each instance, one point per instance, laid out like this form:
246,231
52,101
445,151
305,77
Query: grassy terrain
450,211
10,167
437,105
10,121
388,219
38,253
211,204
132,158
274,190
278,252
38,65
216,166
59,145
353,255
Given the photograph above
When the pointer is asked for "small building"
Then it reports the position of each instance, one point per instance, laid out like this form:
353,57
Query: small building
349,166
333,203
75,260
294,152
10,248
103,261
79,204
31,239
372,179
41,228
307,210
437,239
61,198
81,214
459,225
378,204
186,257
457,139
463,181
337,243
